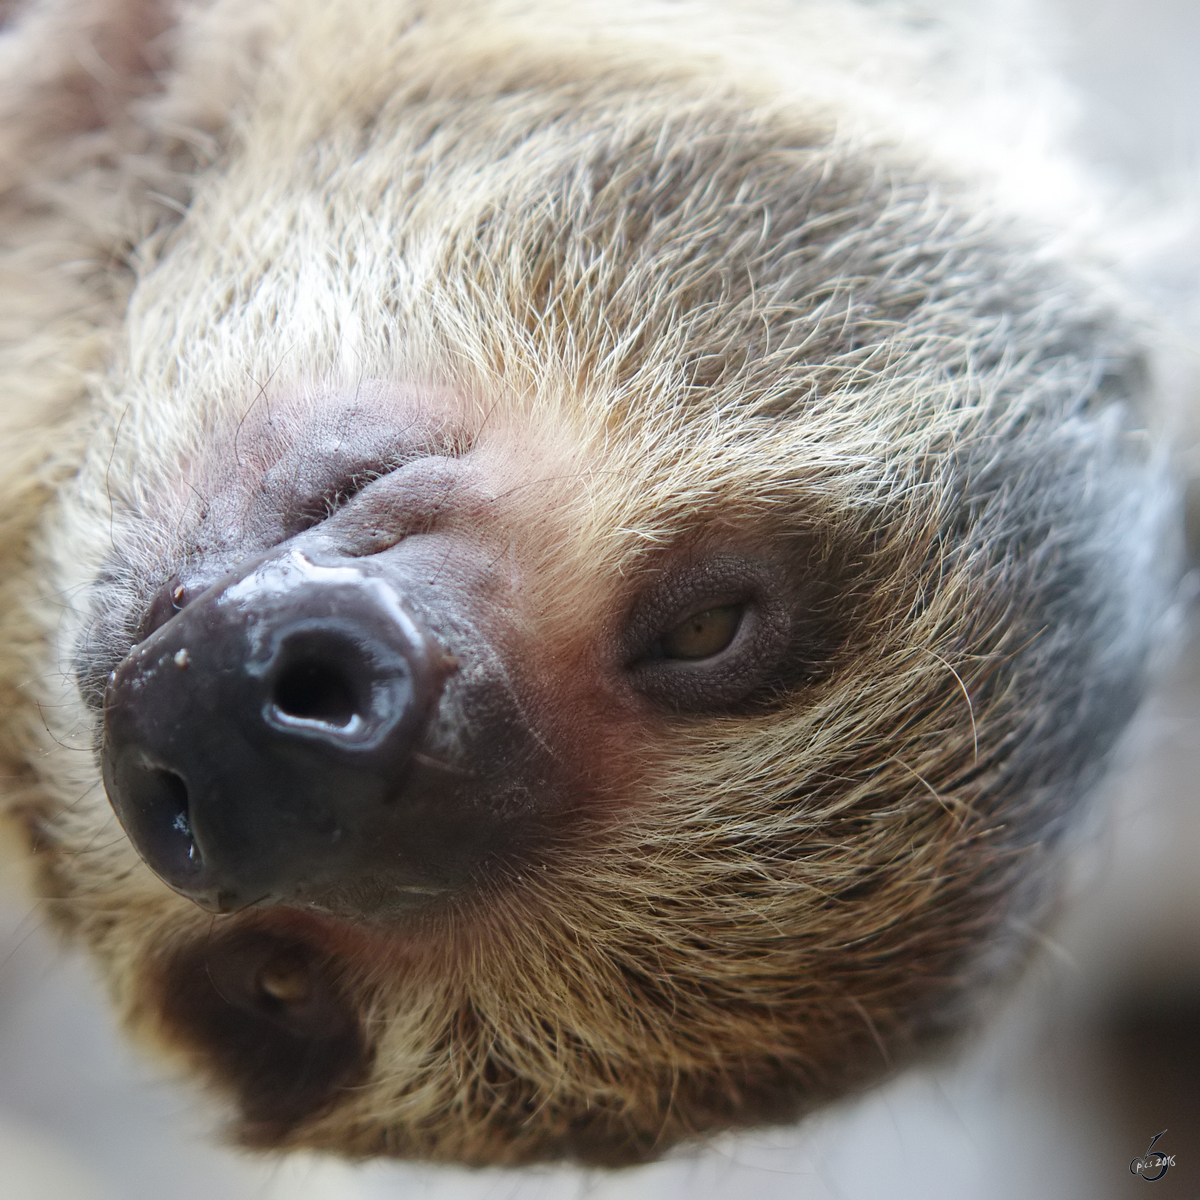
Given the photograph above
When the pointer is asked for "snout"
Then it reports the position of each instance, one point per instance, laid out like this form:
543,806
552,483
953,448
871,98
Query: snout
259,747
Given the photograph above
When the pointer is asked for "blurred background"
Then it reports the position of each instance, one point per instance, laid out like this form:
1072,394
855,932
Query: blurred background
1098,1051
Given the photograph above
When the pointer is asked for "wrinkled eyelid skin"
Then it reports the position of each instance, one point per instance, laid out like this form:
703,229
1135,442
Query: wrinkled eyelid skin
767,596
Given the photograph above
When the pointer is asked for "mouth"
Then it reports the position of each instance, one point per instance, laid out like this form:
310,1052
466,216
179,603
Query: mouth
272,1014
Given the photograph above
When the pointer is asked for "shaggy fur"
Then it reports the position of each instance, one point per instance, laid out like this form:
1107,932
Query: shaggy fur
684,280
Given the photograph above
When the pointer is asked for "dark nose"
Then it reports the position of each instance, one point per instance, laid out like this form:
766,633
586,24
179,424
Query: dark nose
259,746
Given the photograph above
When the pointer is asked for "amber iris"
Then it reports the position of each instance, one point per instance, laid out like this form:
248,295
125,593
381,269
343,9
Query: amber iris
703,634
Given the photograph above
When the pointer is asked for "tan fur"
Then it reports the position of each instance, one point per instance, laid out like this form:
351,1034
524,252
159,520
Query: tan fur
759,914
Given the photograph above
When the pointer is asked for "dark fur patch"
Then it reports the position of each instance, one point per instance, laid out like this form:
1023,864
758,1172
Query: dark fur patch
285,1061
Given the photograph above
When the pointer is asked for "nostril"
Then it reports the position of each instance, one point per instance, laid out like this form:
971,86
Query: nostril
156,812
170,599
316,691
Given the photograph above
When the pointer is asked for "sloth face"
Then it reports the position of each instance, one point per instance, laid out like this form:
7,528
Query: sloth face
402,700
593,604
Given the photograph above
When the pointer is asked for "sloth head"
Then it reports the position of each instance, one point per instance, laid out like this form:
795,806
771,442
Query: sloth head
593,605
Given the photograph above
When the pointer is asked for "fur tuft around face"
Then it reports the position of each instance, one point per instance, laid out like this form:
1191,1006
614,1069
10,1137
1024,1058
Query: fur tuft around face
668,311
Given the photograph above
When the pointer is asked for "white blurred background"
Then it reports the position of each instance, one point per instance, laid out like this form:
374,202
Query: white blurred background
1098,1051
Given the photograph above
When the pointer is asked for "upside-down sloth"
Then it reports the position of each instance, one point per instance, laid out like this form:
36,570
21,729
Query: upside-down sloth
566,568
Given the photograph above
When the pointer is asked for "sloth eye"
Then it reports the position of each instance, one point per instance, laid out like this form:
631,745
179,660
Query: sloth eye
706,634
703,634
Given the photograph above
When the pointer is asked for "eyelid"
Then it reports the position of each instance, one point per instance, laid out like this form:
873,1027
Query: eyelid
656,622
682,589
766,596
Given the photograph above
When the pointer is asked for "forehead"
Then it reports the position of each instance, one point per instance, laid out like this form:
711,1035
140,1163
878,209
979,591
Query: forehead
631,304
532,249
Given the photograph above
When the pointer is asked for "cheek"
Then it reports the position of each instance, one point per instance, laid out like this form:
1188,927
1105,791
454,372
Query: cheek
605,737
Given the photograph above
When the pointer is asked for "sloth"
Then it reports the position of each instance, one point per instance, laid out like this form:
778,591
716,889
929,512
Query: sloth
566,572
